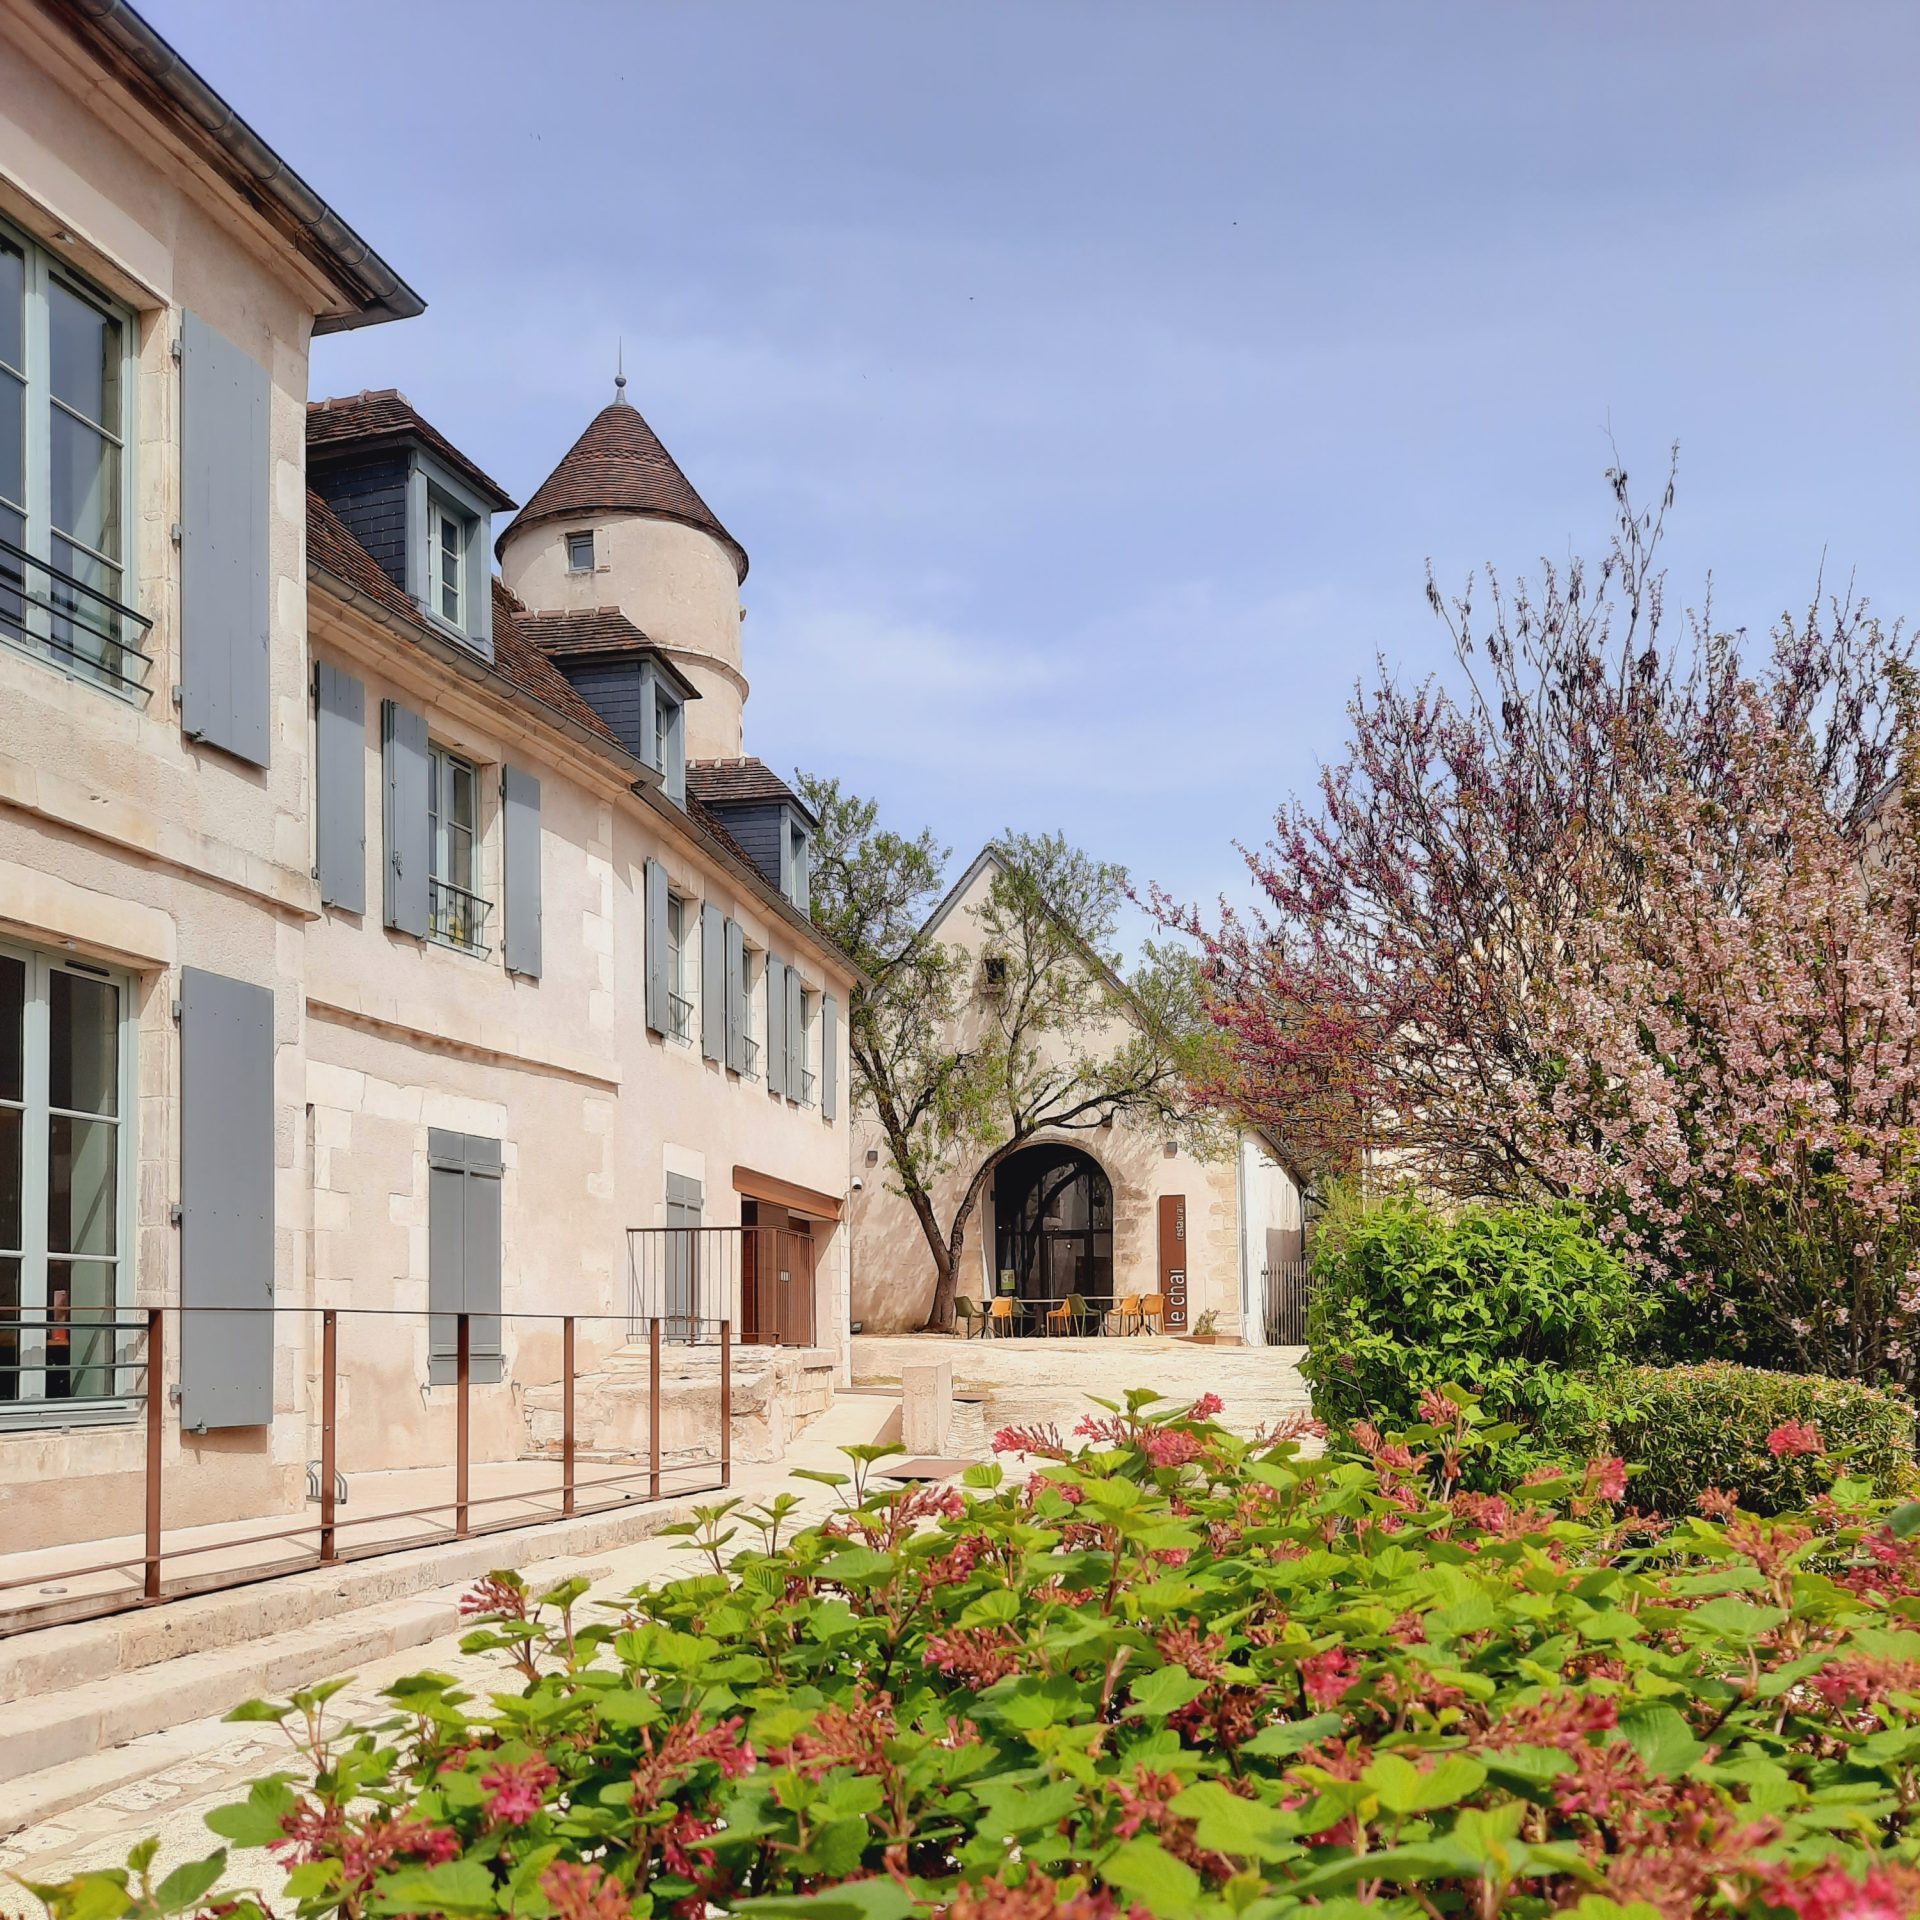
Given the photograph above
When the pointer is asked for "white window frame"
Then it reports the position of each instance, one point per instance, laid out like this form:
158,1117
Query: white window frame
573,564
809,1022
457,923
682,1014
753,980
36,377
29,1409
442,514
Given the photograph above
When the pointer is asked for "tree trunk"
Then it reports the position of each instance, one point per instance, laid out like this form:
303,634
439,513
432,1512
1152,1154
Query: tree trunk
947,1258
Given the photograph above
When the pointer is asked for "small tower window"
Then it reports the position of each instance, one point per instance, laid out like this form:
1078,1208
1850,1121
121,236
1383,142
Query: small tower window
580,553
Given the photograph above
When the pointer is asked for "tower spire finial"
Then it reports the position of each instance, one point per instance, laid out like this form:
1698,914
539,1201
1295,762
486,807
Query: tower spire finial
620,372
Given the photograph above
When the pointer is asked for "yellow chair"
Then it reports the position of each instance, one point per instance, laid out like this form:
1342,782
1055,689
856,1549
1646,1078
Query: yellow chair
1153,1313
1000,1315
1127,1311
1059,1319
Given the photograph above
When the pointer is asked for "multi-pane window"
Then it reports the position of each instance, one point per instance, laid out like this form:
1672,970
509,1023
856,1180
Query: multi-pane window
64,399
753,968
447,559
679,991
458,912
804,1048
579,553
64,1137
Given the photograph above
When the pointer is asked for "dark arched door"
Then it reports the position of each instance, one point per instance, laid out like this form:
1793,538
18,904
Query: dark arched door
1053,1213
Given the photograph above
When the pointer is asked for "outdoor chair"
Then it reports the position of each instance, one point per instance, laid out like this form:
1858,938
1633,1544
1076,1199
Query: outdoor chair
1127,1313
1153,1313
1068,1316
1078,1312
1000,1316
973,1319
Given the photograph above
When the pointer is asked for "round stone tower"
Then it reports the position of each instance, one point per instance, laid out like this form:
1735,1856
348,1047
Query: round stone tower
617,524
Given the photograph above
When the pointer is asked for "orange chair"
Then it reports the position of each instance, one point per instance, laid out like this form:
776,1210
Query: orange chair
1153,1313
1128,1311
1000,1315
1059,1319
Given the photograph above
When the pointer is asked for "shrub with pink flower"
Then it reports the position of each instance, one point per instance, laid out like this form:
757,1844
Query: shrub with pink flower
1792,1438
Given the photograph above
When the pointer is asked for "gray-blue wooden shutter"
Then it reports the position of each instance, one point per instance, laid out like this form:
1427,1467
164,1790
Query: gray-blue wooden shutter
736,997
829,1057
403,748
658,1013
796,1036
340,787
463,1252
713,983
226,1201
225,638
520,835
776,1025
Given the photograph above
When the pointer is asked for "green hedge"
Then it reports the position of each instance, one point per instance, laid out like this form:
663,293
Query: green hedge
1521,1306
1691,1428
1177,1674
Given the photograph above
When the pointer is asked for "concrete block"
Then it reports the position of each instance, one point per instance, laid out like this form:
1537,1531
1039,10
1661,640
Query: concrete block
926,1407
35,1734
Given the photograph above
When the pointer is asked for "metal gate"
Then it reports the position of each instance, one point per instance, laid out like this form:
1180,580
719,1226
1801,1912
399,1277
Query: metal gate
1286,1286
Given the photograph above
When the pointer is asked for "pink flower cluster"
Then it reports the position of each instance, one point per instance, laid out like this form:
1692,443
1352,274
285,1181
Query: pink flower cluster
1792,1438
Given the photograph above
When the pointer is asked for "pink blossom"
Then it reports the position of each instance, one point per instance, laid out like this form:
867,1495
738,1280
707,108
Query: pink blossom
1792,1437
584,1893
1607,1479
1327,1678
1834,1894
515,1791
1206,1407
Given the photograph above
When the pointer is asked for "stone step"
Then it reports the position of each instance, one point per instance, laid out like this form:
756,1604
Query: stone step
49,1664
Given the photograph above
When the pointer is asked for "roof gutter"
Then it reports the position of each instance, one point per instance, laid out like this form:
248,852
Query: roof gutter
260,174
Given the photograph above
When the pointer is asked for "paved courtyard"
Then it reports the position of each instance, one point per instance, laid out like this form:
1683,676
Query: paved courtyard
1022,1381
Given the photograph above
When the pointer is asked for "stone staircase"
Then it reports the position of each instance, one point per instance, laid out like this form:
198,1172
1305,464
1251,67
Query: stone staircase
775,1392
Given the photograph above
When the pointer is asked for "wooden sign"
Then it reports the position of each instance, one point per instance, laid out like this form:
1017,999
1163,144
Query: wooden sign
1173,1258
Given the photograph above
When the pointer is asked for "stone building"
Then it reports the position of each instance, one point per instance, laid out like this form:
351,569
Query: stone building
377,932
1105,1211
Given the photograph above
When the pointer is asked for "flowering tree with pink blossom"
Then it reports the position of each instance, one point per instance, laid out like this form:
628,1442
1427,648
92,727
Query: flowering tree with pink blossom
1620,917
1736,1053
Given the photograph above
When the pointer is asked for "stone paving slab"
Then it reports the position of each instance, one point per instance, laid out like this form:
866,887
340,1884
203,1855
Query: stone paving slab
1023,1382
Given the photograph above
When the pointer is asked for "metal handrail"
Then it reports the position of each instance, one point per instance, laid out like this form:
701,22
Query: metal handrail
118,631
458,916
147,1566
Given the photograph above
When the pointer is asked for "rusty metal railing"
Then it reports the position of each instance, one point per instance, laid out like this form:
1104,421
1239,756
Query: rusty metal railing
147,1404
761,1279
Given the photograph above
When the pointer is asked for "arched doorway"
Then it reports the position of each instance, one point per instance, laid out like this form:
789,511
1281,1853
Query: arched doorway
1053,1225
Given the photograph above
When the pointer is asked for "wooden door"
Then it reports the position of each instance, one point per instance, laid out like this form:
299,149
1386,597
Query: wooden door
1173,1258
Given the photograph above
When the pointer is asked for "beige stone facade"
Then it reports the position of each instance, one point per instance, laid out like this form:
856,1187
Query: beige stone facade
1233,1203
131,852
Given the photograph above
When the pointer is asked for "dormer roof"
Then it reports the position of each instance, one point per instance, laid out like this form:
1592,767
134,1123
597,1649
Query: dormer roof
383,416
743,782
598,633
619,466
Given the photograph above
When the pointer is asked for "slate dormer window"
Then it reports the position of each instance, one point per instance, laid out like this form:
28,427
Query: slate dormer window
664,731
796,862
448,532
579,553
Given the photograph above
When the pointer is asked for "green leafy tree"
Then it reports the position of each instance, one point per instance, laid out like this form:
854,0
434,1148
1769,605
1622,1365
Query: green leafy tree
1064,1043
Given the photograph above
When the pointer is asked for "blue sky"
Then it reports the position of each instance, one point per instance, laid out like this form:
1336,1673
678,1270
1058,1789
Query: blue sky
1090,383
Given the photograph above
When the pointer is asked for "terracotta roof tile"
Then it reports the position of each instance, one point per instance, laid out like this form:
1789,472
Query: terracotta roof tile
586,630
619,466
733,783
380,414
524,669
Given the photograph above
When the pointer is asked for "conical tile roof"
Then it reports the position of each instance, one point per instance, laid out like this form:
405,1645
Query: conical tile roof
619,466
